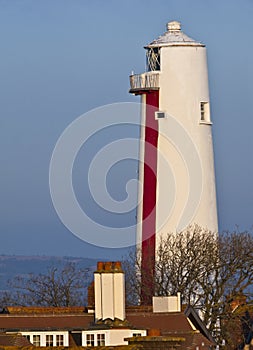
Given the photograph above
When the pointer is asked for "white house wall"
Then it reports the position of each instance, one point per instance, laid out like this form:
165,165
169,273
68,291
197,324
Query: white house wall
44,334
113,337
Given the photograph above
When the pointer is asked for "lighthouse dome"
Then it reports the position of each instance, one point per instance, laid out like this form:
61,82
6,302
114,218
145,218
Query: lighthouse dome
174,37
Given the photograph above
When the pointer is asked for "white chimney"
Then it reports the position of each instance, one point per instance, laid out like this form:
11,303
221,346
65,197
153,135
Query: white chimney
109,291
167,304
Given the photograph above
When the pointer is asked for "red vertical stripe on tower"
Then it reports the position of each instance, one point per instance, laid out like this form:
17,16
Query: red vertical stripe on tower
149,198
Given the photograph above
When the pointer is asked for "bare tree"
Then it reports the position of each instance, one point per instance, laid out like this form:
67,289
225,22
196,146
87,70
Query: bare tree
63,286
208,269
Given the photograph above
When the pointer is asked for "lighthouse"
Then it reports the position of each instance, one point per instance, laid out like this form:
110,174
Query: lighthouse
176,162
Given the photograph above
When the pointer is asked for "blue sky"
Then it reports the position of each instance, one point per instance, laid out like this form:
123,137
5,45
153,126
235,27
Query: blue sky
60,59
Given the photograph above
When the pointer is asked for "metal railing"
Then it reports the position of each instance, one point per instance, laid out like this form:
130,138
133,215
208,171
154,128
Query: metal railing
145,81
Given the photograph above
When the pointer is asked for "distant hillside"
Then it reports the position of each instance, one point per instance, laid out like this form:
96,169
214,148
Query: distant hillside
13,265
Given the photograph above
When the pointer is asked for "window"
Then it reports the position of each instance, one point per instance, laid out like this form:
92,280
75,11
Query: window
59,339
90,340
136,334
28,337
100,340
49,340
204,112
153,59
160,115
36,340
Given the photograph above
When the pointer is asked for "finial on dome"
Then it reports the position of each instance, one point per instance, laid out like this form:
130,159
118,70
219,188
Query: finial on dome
173,26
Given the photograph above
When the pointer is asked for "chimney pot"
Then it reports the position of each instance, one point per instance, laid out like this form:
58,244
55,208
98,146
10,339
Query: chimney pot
108,266
154,332
117,266
100,266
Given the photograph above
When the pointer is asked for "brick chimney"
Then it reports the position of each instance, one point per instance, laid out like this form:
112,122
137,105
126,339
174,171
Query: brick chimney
91,295
109,291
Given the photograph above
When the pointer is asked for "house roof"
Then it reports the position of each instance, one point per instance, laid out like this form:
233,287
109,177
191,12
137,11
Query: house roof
16,310
144,320
13,340
169,322
44,322
28,318
186,340
162,321
195,340
184,324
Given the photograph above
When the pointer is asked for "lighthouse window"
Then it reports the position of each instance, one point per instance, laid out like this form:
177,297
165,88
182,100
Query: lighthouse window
204,112
153,59
160,115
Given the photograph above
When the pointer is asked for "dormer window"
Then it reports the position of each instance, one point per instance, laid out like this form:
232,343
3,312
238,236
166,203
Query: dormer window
153,59
100,339
49,340
90,341
36,340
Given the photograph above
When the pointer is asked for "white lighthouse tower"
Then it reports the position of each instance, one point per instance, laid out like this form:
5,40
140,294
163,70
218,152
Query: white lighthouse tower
176,169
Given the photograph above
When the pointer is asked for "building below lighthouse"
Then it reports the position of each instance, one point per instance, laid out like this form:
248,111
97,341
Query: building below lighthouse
106,323
176,168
